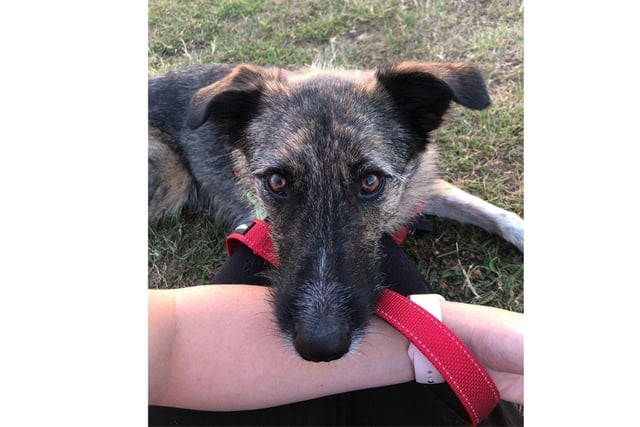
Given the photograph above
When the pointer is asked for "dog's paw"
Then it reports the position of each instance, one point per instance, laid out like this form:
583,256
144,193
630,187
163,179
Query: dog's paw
512,229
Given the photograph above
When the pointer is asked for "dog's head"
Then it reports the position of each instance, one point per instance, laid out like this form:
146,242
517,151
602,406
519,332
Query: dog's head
336,159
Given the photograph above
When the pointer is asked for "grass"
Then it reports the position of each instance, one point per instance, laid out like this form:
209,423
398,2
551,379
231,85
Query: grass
482,152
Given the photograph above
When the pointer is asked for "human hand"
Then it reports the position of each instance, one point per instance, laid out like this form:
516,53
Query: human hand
496,337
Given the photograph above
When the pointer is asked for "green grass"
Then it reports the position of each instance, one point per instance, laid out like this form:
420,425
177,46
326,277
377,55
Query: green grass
482,152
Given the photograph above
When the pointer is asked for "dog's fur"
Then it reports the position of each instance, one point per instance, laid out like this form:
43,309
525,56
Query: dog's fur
334,158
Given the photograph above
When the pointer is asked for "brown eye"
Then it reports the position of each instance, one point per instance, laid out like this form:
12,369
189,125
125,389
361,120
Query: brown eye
370,184
277,183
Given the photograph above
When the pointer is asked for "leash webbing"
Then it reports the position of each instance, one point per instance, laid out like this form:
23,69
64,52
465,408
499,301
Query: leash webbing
466,376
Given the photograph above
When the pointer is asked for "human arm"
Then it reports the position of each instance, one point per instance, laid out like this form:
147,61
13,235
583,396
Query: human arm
218,348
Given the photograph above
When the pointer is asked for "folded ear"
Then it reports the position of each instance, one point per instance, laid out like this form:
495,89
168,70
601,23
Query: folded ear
232,101
423,91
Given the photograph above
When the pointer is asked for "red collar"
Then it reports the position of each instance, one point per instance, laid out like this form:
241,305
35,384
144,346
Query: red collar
255,235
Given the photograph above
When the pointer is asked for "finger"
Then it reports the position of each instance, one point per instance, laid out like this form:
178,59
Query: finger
511,386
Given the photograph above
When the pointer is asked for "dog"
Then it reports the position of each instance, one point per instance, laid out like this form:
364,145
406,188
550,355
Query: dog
334,159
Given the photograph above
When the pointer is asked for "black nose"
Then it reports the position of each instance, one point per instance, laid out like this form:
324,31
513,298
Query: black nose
317,344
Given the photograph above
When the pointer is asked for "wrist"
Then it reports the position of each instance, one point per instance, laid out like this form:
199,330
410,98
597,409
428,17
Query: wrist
425,372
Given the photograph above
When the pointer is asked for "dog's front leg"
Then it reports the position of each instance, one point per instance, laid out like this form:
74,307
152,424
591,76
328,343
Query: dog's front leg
447,201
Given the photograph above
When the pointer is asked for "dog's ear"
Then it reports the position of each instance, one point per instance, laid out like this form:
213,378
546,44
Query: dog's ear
232,101
423,91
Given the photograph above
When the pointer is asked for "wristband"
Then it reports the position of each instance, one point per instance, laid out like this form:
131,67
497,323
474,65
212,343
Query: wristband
425,373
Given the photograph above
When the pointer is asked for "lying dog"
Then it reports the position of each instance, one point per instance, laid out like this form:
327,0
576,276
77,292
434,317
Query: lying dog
334,159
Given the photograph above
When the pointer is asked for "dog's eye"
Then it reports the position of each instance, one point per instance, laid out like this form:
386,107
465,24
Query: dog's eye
277,184
370,185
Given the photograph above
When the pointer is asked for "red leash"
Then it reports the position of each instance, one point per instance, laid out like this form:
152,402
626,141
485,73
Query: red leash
466,376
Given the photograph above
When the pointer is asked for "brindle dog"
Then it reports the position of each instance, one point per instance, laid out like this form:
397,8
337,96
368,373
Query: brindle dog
335,159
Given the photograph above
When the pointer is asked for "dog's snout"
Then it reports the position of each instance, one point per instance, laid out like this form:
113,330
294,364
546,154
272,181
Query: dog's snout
321,343
323,300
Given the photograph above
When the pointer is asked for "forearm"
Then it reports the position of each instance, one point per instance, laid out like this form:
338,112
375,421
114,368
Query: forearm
208,369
